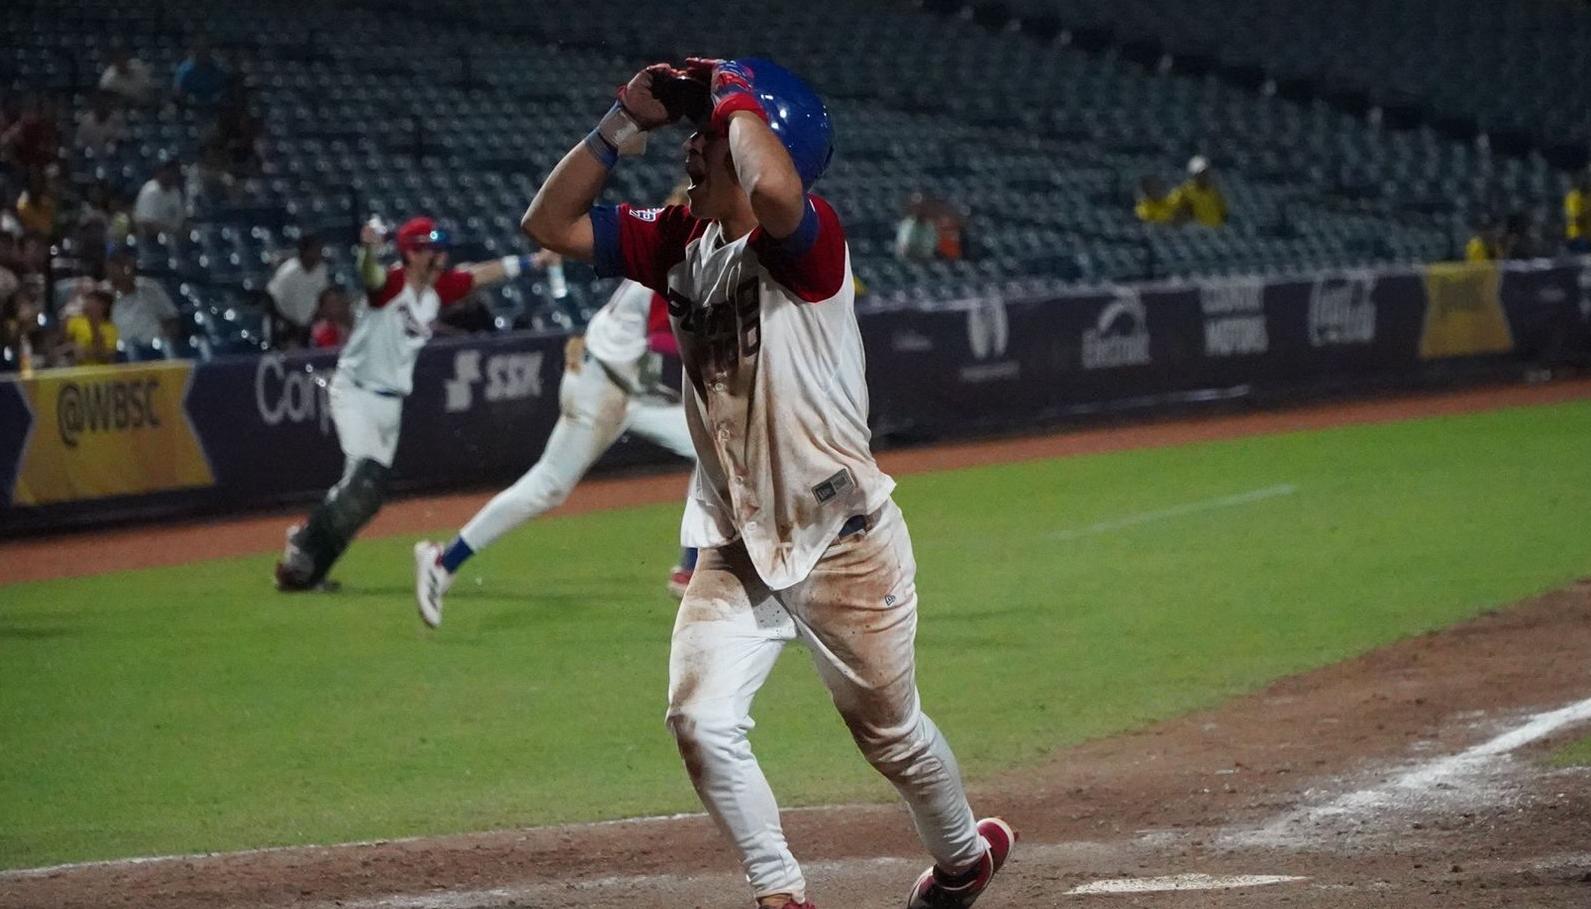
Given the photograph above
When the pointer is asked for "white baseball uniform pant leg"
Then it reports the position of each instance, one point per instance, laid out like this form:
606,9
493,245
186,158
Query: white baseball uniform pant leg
592,416
367,423
661,422
857,613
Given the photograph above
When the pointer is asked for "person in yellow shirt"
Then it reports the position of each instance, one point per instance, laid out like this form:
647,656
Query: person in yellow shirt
1199,198
1155,205
91,333
1577,214
36,206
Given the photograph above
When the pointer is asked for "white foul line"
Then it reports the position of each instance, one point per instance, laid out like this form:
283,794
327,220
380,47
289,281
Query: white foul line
1177,511
1181,882
1426,776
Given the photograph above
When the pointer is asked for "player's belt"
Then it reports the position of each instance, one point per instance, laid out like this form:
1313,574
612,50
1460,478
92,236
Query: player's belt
379,392
856,523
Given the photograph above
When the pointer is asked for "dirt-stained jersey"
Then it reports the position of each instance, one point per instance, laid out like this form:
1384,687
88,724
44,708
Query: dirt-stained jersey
776,386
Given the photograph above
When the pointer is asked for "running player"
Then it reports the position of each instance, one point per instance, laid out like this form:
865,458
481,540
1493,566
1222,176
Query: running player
375,372
800,538
612,384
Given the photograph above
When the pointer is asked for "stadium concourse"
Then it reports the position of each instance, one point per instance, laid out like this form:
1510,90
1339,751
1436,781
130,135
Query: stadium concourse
1034,121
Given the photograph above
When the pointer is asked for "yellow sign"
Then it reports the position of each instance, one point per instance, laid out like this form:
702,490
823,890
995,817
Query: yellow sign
103,431
1464,312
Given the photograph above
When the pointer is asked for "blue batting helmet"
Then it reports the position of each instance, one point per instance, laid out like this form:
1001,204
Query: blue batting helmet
796,114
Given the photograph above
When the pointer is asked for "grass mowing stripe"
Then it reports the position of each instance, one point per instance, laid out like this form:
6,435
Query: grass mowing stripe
194,709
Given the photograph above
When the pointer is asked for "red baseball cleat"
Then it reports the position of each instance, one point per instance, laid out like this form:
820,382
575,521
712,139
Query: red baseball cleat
935,890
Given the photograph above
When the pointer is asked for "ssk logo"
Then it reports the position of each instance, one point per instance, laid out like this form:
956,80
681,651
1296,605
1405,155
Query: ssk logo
1120,337
645,214
290,395
508,377
109,406
1234,319
1341,311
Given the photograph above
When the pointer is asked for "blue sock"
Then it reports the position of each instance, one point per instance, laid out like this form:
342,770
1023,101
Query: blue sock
687,559
455,554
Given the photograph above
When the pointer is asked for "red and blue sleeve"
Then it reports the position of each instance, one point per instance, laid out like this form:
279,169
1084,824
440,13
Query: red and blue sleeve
810,262
659,332
641,244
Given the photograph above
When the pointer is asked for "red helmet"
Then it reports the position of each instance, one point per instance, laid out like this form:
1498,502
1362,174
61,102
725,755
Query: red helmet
421,233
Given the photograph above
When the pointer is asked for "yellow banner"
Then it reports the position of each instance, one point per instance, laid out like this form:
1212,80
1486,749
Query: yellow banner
103,431
1464,312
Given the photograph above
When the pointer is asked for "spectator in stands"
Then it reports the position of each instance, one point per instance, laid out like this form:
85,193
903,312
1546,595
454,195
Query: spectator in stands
1520,238
334,319
94,226
916,238
1155,205
1485,245
101,126
38,207
127,78
33,140
200,80
1577,214
89,335
1199,198
295,291
237,133
25,342
159,208
143,311
209,182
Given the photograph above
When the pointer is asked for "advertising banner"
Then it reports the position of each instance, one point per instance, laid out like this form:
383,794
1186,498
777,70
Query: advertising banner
103,431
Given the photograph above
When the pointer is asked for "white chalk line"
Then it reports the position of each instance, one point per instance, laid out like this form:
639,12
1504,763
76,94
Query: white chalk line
17,873
1425,778
1181,882
818,874
1177,511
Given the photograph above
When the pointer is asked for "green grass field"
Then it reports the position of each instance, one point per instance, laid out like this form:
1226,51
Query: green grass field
1575,754
193,708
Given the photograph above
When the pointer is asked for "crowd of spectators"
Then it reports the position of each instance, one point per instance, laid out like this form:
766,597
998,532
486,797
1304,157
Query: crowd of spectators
106,308
96,224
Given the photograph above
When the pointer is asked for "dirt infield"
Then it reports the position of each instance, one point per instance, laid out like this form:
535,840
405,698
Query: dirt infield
1411,776
143,546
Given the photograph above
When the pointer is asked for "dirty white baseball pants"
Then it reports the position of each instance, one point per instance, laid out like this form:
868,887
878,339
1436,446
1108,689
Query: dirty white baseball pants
857,614
594,412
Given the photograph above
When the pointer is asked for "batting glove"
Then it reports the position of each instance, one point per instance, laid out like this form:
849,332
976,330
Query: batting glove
729,89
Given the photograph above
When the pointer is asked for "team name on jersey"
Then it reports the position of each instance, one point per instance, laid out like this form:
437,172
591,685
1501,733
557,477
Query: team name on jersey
726,332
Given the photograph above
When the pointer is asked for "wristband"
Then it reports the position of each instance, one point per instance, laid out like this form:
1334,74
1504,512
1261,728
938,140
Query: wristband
514,266
616,134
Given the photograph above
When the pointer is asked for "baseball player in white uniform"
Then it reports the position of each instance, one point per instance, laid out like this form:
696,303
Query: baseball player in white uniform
375,372
800,540
612,384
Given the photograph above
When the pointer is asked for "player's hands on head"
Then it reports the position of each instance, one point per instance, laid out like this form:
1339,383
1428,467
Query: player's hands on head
640,96
729,89
369,235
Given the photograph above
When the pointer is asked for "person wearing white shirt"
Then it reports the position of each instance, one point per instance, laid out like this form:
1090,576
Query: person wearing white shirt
296,286
143,312
159,207
127,78
102,125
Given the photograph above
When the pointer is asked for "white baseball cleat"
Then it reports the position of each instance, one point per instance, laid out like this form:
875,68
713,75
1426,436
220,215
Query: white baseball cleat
431,580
